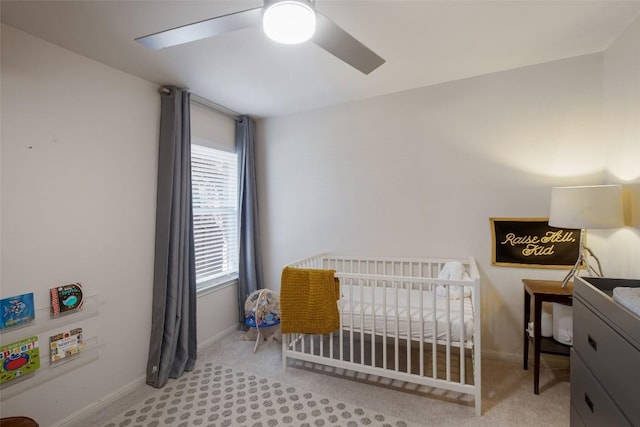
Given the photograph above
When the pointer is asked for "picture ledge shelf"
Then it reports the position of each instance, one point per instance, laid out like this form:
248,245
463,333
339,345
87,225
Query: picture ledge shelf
45,321
48,371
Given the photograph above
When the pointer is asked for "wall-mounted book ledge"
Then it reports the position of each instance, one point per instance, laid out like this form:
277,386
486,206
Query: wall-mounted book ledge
46,321
48,371
43,349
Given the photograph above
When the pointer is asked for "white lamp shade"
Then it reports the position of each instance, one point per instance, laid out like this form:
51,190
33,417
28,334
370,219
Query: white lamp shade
289,21
595,206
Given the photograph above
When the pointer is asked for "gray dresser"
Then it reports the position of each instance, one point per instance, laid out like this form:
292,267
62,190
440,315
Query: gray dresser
605,359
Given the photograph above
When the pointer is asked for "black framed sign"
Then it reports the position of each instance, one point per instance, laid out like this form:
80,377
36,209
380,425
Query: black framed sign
533,243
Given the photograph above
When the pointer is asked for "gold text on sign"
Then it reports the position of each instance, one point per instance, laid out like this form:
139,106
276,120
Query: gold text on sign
538,245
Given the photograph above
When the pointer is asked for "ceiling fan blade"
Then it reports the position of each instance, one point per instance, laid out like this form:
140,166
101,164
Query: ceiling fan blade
203,29
344,46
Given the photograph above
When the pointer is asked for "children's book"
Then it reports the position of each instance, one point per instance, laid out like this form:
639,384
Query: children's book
65,344
19,358
17,310
66,298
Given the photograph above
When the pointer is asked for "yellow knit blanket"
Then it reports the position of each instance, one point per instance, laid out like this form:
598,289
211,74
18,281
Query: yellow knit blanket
308,301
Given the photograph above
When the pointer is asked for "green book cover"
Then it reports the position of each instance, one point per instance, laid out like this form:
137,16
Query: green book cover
19,358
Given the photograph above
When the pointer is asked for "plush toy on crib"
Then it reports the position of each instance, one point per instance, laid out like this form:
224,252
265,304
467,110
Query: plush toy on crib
262,310
453,270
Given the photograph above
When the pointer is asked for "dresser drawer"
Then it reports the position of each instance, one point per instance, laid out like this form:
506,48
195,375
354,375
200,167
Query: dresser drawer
594,407
597,293
611,359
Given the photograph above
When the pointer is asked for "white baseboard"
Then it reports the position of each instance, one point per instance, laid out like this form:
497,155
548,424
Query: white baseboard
217,337
102,402
110,398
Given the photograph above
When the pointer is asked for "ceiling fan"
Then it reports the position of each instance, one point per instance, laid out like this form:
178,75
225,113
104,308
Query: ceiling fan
279,18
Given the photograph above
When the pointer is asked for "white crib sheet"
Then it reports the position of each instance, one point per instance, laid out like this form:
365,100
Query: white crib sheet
362,307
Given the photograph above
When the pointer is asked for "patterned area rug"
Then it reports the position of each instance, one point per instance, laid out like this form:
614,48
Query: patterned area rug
219,396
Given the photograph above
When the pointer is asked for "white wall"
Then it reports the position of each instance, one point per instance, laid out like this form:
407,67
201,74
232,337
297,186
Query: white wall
420,173
622,134
78,175
79,143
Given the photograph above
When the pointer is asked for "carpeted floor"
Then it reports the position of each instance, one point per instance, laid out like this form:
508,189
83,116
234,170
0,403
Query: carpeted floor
342,398
221,396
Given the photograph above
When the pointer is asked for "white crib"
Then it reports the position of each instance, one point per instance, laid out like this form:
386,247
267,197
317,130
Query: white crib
399,321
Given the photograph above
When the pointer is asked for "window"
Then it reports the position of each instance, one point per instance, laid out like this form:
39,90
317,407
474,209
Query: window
214,176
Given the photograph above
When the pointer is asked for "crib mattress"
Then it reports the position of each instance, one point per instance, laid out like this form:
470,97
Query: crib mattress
369,310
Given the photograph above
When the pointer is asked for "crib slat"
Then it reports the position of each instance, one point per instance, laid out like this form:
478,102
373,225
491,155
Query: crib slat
434,336
372,288
397,330
462,338
408,305
342,326
448,332
351,320
362,308
384,325
422,285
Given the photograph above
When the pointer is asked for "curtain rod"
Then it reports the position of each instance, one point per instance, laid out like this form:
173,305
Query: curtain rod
216,107
203,102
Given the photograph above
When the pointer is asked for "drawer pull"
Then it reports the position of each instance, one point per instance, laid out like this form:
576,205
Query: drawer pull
588,401
592,343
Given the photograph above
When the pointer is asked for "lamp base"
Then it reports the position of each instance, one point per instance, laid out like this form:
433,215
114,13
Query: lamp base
583,258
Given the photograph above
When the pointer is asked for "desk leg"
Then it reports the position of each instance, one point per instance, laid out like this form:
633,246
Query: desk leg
537,314
527,314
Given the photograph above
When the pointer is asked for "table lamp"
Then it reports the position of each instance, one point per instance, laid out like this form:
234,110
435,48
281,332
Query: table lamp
583,207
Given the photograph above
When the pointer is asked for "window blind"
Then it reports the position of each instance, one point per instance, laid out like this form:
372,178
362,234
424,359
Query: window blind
215,211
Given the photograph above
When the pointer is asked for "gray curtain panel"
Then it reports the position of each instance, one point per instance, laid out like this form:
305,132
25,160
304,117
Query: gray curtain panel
250,260
173,344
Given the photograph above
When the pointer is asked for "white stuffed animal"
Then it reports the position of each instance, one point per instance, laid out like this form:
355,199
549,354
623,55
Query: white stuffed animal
453,270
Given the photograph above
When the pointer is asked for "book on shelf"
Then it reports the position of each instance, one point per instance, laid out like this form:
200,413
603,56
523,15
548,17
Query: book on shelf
65,344
66,298
19,358
16,310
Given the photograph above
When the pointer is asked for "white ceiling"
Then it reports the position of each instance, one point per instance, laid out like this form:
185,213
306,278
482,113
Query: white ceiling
424,43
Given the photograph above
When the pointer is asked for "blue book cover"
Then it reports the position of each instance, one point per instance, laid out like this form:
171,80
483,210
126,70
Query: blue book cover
16,310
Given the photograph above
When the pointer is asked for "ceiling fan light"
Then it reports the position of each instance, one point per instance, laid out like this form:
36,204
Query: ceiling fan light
289,21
